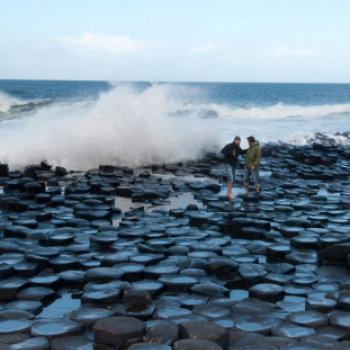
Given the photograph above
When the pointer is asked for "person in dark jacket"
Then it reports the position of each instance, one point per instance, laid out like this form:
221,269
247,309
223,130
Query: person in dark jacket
231,153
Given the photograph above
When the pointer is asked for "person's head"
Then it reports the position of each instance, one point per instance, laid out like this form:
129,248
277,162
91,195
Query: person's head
251,140
237,140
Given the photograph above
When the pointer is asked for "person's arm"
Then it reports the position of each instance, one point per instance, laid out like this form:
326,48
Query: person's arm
243,151
257,158
227,150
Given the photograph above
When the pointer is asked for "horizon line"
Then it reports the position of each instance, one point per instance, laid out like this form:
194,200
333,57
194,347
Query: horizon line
177,81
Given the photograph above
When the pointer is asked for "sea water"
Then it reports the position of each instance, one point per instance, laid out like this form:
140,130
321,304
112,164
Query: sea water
81,124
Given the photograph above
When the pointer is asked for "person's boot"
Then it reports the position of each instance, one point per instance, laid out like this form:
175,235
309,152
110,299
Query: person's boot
246,190
257,189
229,190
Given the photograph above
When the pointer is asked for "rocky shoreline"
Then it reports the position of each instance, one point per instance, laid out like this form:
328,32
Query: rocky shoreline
158,258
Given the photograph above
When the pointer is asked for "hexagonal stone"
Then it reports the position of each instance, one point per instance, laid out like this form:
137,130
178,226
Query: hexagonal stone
204,330
209,289
171,312
267,292
340,319
291,330
145,346
88,316
311,319
15,314
14,326
321,305
210,311
252,307
177,283
10,286
41,294
258,324
103,274
31,306
37,343
54,328
117,330
64,262
74,343
196,344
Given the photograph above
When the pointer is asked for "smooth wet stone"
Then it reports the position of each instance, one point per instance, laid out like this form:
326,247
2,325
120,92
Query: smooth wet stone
132,272
15,314
209,289
100,296
10,286
340,319
267,292
210,311
311,319
103,274
75,343
41,294
335,254
251,273
258,324
12,258
37,343
145,346
64,262
89,316
163,332
204,330
241,339
252,307
72,278
291,330
156,271
321,305
31,306
177,283
54,328
196,344
117,330
319,340
331,332
304,242
302,258
304,279
14,326
150,286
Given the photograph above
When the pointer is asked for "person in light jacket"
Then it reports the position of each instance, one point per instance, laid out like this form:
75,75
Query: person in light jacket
252,163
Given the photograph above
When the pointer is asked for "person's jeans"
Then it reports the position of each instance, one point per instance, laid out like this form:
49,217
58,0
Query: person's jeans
230,172
248,172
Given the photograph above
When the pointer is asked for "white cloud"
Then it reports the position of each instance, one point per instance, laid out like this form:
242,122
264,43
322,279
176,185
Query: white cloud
285,50
100,42
202,49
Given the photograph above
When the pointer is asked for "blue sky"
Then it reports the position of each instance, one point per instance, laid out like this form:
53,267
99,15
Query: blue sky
168,40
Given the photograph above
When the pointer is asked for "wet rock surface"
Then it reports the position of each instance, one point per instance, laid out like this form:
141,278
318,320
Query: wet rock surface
158,258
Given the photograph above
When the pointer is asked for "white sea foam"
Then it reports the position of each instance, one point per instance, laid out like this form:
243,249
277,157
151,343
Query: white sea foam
277,111
122,128
7,101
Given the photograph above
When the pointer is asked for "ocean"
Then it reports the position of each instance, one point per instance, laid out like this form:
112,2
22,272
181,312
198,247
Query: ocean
82,124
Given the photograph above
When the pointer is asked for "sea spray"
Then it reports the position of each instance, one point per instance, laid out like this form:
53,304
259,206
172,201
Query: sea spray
123,127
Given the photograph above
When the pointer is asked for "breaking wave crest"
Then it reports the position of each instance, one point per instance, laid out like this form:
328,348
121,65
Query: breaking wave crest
123,127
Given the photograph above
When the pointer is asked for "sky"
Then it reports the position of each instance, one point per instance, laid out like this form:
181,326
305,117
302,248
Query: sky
176,40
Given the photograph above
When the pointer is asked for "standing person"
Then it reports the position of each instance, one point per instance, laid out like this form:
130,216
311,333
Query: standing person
231,152
252,162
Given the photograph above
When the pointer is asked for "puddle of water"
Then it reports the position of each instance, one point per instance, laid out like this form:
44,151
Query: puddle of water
60,307
238,294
